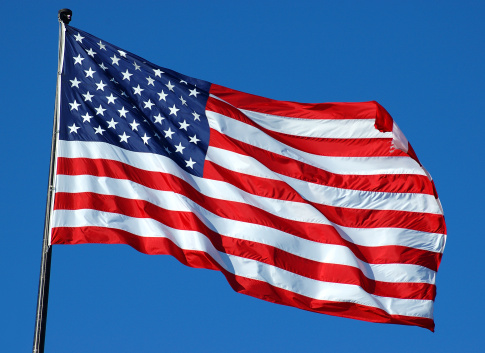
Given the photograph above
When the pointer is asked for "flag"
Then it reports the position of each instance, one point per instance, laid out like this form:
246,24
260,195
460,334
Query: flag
323,207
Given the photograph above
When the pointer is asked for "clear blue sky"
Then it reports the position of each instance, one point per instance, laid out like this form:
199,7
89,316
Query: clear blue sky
422,60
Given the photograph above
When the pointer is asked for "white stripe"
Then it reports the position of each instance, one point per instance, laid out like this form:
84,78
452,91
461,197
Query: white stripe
190,240
153,162
373,237
358,199
328,291
327,195
296,211
326,253
399,141
339,165
245,164
102,150
321,194
318,128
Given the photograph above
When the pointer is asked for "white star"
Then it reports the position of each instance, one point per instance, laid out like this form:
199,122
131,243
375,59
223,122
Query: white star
170,86
79,38
101,45
101,85
158,72
159,118
111,98
167,150
138,90
137,67
148,104
115,60
113,80
100,110
75,82
179,148
88,96
112,123
90,72
145,139
74,105
168,133
194,139
123,112
184,102
196,116
193,92
73,128
99,130
123,93
150,81
124,137
184,125
78,59
103,66
190,163
91,52
122,53
126,75
162,95
86,117
173,110
134,125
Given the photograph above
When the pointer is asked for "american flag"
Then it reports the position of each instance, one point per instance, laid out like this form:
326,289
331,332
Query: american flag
324,207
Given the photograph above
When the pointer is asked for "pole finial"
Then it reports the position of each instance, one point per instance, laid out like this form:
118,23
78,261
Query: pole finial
65,16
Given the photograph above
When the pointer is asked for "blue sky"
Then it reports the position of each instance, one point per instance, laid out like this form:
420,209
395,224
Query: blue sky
422,60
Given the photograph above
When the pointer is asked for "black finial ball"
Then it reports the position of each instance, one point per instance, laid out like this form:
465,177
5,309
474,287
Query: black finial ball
65,16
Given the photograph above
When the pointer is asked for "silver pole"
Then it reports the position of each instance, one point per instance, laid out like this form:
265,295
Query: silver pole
45,265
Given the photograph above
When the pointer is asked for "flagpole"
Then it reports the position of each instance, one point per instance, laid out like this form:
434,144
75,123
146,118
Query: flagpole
64,16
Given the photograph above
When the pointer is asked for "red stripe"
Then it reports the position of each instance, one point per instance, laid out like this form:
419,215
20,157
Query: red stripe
251,287
348,217
246,213
150,246
244,248
265,291
280,190
402,183
357,218
364,147
241,100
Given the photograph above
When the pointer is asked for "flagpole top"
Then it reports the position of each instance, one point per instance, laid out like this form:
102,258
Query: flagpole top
64,16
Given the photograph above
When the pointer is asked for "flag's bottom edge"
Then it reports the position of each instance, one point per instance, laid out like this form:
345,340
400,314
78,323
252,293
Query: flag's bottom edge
252,287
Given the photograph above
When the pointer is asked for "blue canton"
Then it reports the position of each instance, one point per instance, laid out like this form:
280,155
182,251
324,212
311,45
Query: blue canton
111,95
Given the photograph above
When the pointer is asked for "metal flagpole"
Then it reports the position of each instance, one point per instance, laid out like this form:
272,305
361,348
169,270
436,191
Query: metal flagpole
64,16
